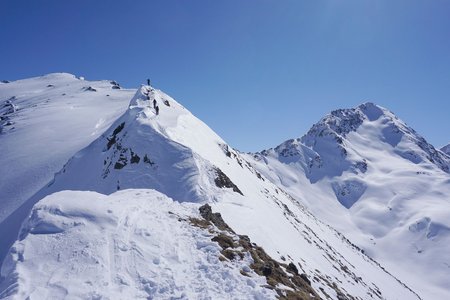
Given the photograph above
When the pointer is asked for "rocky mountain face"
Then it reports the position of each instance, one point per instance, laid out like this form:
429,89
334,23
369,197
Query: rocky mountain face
273,233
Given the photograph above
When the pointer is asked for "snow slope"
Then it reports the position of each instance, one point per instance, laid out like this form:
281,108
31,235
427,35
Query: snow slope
178,155
133,244
45,121
376,180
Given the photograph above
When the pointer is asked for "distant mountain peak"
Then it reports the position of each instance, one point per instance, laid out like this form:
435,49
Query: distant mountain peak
327,150
345,120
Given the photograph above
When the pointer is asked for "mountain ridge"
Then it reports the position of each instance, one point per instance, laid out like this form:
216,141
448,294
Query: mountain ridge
176,154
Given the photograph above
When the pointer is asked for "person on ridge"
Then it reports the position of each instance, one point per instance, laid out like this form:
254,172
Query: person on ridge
157,110
154,103
148,82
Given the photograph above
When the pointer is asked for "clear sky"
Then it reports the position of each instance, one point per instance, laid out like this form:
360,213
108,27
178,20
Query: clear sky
257,72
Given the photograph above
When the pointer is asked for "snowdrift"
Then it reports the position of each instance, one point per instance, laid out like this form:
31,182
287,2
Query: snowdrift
129,245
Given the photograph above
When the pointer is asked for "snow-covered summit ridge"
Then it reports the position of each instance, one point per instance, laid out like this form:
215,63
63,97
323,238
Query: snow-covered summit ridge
328,148
169,152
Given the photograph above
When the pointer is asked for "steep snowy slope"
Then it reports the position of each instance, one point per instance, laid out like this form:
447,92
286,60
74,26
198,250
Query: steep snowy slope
43,122
135,244
145,150
372,177
178,155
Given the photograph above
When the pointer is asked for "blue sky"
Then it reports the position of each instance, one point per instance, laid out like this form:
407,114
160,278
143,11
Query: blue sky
257,72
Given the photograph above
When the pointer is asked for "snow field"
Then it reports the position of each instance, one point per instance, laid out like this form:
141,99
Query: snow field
128,245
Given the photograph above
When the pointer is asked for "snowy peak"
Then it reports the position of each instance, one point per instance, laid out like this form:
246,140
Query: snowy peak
144,149
343,121
367,173
331,145
391,130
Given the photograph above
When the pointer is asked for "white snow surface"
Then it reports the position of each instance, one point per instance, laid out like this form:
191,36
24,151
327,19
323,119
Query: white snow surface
129,245
180,156
54,116
44,121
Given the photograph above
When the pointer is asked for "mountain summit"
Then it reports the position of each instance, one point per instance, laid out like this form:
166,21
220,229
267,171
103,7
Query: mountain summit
330,146
367,173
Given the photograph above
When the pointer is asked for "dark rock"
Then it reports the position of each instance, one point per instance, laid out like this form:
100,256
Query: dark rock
305,278
341,296
224,241
6,81
119,165
112,140
90,88
215,218
229,254
292,268
147,160
222,181
362,166
134,158
50,85
119,128
166,102
266,270
116,87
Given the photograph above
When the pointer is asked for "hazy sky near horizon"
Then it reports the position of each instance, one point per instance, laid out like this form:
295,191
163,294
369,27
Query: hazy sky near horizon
257,72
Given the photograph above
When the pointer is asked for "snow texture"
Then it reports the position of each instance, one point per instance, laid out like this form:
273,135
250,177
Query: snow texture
129,245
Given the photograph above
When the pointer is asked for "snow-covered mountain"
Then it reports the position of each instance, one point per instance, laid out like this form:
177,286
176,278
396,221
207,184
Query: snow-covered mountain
135,226
375,179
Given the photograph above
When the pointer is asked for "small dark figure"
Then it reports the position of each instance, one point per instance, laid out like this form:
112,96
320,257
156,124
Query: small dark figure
148,82
157,110
154,103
